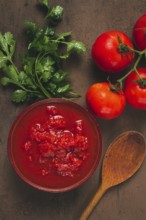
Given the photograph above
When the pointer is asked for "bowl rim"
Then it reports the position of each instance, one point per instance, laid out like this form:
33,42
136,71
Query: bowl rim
22,114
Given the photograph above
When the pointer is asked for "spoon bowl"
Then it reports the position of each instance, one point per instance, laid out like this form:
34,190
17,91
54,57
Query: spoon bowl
123,158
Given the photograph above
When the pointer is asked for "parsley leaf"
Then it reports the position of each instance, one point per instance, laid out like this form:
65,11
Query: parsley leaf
19,96
55,15
45,3
76,45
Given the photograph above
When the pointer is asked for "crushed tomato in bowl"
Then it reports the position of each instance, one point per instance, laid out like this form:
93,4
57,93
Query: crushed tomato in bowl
56,148
54,145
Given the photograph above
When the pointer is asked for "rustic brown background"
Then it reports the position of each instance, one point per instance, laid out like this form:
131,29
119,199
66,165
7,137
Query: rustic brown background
86,20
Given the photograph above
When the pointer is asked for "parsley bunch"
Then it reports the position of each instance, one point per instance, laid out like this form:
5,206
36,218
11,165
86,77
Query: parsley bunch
42,75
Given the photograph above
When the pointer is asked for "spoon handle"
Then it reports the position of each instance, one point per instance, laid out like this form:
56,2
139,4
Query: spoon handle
98,195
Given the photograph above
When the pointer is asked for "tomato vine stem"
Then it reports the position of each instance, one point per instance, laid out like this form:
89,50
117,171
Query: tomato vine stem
141,81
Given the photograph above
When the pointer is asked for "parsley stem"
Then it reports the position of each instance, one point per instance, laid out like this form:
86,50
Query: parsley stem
22,87
16,83
45,92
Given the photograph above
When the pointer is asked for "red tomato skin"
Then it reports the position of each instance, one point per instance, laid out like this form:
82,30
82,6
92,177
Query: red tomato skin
139,32
103,102
135,94
106,54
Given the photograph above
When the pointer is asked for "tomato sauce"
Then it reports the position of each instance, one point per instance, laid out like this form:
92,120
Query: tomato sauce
54,144
55,148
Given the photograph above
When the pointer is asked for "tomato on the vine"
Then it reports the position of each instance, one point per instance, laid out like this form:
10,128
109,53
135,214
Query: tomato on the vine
104,102
139,32
113,51
135,89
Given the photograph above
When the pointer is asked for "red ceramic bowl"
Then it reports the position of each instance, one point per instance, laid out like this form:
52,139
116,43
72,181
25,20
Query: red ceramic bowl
54,145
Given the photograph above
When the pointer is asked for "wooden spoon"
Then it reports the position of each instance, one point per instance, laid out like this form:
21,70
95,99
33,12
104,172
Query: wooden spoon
122,159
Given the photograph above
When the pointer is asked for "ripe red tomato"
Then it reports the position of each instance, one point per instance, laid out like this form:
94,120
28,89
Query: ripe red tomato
139,32
111,51
134,91
104,102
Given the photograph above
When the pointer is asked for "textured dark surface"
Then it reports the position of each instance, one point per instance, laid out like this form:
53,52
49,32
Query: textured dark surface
86,20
